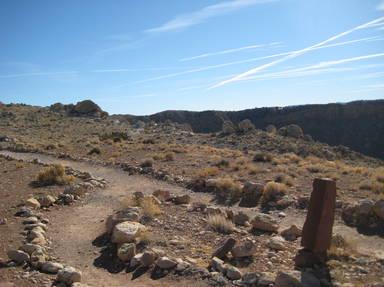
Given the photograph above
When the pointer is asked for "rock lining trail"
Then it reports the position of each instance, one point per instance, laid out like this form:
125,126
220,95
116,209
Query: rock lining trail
74,230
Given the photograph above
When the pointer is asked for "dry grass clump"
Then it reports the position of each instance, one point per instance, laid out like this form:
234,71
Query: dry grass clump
52,175
207,171
169,156
226,187
316,168
340,247
285,179
273,191
220,223
150,208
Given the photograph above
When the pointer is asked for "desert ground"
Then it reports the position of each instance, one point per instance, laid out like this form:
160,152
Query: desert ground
73,187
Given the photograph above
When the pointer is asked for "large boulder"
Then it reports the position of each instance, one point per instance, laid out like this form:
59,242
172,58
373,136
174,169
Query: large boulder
251,194
246,248
86,108
265,222
127,232
127,214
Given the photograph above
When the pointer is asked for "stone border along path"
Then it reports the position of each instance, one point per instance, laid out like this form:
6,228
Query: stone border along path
35,248
70,245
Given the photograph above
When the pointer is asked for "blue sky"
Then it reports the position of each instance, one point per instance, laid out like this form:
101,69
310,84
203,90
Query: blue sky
145,56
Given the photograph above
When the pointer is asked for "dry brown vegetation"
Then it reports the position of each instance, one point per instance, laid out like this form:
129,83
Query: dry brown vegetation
52,175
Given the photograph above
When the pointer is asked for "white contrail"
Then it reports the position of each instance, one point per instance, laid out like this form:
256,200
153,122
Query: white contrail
229,51
296,54
316,68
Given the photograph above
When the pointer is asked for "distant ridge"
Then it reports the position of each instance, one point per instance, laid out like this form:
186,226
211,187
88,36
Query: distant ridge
358,125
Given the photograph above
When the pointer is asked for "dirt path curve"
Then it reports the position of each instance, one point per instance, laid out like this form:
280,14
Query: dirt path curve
73,229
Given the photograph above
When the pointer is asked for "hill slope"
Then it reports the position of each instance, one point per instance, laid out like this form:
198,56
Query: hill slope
358,125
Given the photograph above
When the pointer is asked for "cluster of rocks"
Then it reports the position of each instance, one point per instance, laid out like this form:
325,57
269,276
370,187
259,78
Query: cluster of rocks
85,108
71,192
34,251
365,214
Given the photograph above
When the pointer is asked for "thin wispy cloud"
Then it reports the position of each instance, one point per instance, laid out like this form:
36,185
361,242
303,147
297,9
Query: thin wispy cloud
194,18
297,53
255,59
230,51
320,68
21,75
135,70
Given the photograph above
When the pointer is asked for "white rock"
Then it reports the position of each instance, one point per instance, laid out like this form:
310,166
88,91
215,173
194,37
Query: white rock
127,232
69,275
276,243
33,203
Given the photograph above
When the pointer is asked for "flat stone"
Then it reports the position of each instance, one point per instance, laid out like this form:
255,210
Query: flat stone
233,273
265,222
165,263
18,256
51,267
291,233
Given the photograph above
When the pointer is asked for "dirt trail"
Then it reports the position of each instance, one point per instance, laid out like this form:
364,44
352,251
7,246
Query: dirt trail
74,229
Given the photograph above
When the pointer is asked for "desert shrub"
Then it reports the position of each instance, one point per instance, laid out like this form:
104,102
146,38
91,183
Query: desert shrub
52,175
147,162
94,150
228,127
150,208
271,129
285,179
273,191
227,188
262,157
207,171
220,223
246,126
316,168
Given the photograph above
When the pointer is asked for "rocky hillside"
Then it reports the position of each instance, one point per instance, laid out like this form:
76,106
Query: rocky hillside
358,125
